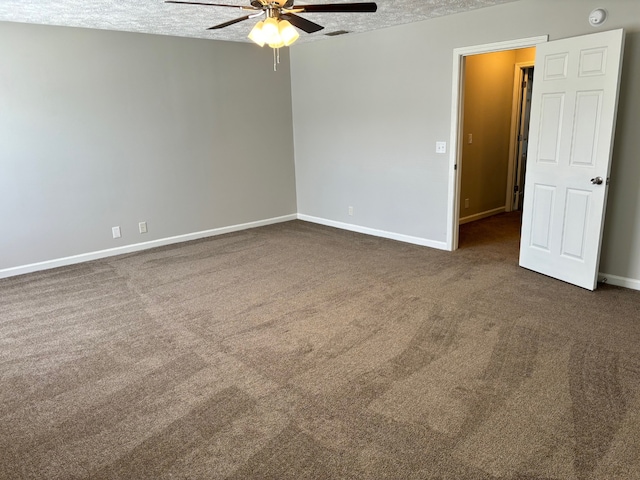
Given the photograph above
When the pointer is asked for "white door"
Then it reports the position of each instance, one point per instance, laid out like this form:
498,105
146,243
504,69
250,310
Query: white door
573,112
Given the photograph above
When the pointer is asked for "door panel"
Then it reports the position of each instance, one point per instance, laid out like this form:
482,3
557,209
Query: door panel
544,196
555,66
576,217
550,128
593,61
585,128
572,125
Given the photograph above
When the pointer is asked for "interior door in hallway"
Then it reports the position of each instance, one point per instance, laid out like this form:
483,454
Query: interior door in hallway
573,112
522,140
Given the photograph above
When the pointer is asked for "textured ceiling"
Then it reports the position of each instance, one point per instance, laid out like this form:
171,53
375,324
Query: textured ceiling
154,16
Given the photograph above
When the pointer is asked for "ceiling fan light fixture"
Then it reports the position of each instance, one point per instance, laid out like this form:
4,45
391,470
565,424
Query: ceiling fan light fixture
270,31
274,32
257,34
287,32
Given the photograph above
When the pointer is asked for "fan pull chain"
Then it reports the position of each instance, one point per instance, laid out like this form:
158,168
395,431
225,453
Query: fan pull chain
276,59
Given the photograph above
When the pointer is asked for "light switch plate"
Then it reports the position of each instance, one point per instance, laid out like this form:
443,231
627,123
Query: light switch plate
441,147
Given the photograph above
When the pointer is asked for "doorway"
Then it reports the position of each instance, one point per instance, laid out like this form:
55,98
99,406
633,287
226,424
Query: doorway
494,127
457,201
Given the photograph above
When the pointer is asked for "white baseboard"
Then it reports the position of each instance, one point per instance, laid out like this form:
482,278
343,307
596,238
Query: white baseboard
374,232
631,283
136,247
86,257
481,215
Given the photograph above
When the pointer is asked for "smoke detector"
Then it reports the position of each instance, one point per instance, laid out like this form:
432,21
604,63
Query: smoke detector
598,17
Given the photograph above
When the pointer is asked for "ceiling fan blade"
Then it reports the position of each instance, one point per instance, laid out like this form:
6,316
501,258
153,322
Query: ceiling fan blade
211,4
337,7
230,22
302,23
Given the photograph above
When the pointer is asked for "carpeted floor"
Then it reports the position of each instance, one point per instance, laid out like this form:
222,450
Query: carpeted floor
297,351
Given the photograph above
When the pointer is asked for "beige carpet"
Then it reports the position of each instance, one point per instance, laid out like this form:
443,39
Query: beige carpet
298,351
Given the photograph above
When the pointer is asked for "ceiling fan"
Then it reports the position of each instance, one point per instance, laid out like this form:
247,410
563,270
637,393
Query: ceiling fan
276,30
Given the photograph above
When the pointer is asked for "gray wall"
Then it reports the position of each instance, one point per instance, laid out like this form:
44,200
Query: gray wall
100,128
369,108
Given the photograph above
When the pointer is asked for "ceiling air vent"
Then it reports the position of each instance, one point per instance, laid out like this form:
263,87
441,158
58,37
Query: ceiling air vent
336,33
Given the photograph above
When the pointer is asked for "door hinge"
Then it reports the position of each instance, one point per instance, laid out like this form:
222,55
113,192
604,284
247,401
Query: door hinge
516,188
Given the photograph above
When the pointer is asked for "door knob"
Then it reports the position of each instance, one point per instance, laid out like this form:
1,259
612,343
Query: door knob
597,181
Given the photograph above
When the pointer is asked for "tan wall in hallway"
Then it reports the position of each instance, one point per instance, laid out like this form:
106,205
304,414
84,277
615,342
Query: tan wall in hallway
525,55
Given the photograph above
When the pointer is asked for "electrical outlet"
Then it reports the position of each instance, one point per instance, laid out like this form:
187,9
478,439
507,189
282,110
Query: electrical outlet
466,203
441,147
470,139
350,211
115,231
142,226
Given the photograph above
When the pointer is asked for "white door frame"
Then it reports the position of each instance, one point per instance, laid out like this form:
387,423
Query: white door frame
455,152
